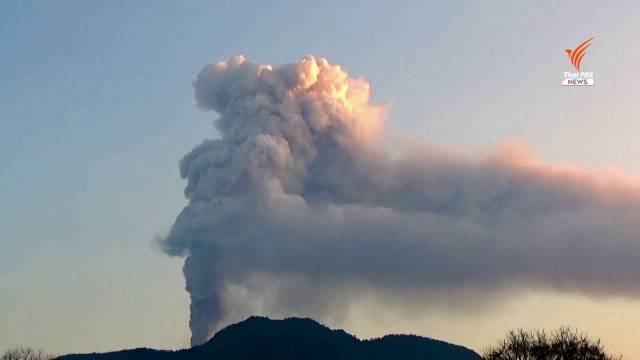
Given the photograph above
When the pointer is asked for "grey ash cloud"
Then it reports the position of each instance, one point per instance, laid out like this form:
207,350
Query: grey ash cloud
300,187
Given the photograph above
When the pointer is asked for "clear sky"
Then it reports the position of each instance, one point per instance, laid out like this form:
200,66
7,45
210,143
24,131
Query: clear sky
96,109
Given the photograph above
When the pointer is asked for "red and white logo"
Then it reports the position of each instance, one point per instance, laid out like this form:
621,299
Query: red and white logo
579,78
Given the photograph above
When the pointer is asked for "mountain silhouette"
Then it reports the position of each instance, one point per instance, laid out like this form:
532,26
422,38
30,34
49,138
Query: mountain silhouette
295,338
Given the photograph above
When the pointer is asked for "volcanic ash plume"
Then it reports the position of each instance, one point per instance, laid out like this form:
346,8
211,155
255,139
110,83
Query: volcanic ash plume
298,188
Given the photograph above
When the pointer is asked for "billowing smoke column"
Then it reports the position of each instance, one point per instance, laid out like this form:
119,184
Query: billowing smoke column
299,186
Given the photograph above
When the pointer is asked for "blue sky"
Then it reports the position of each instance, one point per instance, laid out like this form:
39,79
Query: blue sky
96,109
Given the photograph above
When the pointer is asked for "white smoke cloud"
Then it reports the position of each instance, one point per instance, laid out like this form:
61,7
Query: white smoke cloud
298,186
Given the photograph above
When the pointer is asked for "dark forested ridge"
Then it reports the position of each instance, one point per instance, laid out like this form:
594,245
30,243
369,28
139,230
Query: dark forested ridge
295,338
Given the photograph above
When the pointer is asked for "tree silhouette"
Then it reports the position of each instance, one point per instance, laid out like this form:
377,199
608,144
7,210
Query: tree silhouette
563,344
26,353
